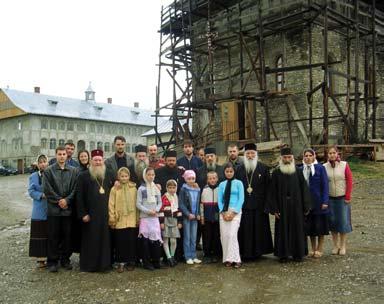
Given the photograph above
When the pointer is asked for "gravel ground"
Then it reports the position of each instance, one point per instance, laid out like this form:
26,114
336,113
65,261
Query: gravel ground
356,278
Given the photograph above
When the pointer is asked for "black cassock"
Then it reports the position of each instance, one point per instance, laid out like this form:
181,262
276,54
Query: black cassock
95,251
289,195
255,238
164,174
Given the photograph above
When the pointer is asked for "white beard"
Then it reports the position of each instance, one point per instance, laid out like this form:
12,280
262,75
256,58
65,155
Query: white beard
250,164
211,167
97,172
140,165
287,169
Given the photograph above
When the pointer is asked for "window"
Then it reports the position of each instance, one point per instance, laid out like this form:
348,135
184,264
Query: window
19,125
53,125
20,143
128,148
129,131
61,142
107,147
3,146
100,145
70,126
99,128
44,123
43,143
133,148
92,128
14,144
81,127
61,125
92,145
279,75
52,144
121,130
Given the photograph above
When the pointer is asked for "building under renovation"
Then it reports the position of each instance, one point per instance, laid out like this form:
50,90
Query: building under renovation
306,72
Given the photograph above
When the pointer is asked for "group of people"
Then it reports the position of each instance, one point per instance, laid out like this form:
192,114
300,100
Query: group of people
128,211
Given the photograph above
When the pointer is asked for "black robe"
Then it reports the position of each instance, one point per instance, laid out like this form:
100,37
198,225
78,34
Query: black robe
95,252
289,195
201,175
164,174
255,237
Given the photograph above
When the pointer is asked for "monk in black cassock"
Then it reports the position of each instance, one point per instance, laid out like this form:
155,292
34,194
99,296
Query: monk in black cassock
92,197
167,172
255,238
289,200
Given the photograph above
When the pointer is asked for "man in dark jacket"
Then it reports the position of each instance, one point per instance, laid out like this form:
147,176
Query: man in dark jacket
121,159
170,171
209,165
189,161
59,185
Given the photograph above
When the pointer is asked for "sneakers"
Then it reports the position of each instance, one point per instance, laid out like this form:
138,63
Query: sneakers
196,261
189,262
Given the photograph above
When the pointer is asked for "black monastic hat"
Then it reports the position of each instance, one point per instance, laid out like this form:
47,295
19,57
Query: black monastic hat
286,151
140,148
250,146
209,150
170,153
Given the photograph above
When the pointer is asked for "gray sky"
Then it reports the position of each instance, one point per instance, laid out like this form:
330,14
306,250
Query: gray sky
62,45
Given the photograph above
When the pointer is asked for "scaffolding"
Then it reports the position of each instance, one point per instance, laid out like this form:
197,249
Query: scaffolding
360,23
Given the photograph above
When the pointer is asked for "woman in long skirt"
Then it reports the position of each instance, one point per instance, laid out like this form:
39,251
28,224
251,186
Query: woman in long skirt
340,190
230,201
39,232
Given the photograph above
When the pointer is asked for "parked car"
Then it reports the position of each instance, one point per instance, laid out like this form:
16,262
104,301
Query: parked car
8,171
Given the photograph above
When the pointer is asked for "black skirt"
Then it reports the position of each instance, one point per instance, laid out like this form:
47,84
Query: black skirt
316,225
125,241
38,242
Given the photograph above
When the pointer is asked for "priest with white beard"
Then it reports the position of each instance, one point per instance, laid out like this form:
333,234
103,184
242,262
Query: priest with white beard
289,201
92,196
255,238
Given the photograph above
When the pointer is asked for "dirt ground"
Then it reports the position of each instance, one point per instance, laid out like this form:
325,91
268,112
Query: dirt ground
356,278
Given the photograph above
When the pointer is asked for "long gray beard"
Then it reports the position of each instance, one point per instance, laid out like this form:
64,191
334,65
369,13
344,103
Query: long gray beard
140,165
97,172
287,169
250,164
211,167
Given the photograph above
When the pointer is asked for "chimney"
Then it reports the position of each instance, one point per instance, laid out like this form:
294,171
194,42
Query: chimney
37,90
135,104
109,100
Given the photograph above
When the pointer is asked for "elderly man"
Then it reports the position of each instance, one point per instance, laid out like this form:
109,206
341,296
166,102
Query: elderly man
255,238
92,195
59,183
69,149
209,165
170,171
189,161
141,162
154,160
120,159
233,155
289,201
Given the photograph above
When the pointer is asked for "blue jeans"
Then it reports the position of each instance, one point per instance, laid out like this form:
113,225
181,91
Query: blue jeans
189,242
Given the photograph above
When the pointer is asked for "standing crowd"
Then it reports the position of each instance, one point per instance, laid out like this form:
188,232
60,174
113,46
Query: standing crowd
124,212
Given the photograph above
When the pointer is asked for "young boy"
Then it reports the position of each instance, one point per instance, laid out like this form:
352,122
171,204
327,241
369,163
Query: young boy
209,212
189,204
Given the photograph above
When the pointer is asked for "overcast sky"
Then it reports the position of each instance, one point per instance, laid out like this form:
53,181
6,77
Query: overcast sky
62,45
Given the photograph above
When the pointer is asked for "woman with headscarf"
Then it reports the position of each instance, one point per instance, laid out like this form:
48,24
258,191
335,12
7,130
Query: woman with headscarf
39,234
317,220
340,183
230,201
149,203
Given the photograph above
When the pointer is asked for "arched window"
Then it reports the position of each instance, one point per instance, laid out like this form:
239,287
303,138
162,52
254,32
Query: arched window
70,126
14,144
107,147
61,125
43,143
100,145
53,125
52,143
44,123
61,142
80,145
279,75
92,145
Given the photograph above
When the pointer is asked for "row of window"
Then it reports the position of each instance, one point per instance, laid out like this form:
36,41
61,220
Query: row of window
17,144
81,145
92,127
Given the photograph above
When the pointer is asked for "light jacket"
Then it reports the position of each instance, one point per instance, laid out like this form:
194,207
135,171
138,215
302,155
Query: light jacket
236,199
340,179
35,190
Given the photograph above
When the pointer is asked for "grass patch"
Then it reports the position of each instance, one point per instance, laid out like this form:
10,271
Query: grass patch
362,169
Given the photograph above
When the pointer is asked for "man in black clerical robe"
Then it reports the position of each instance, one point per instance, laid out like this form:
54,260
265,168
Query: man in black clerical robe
92,196
255,238
169,171
289,200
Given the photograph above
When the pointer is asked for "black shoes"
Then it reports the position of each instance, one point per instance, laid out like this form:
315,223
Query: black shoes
148,266
66,265
53,268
